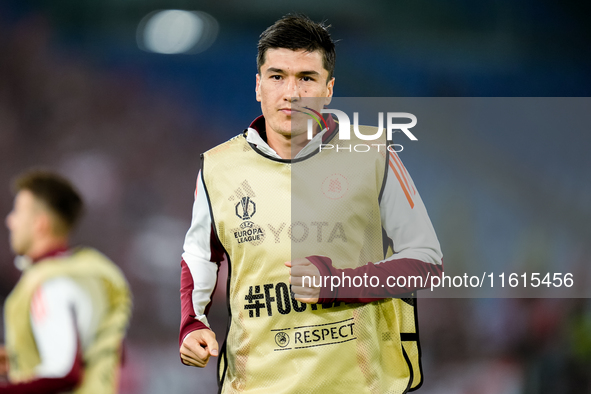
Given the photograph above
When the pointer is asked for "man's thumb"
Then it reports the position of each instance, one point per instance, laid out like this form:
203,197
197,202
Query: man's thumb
212,345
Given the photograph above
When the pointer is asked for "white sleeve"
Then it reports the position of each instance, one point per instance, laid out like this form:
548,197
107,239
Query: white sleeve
58,309
404,217
200,255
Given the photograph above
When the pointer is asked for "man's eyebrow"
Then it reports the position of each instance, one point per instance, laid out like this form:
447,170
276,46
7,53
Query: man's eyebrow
309,73
274,70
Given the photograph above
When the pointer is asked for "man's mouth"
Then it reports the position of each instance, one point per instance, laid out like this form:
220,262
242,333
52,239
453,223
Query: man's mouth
293,110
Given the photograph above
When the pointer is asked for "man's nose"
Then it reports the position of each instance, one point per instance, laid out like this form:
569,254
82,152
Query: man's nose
9,219
292,90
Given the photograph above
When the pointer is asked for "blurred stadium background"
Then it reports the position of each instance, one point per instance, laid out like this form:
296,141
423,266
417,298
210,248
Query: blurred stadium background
84,91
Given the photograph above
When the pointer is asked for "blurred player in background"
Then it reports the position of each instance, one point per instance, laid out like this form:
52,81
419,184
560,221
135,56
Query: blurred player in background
285,336
66,318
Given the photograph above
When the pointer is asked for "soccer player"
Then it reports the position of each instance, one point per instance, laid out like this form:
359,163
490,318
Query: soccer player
66,318
280,209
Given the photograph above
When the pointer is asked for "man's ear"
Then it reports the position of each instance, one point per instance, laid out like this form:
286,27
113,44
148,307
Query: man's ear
43,223
330,87
257,88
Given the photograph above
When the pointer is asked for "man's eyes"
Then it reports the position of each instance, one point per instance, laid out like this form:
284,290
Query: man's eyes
308,79
305,78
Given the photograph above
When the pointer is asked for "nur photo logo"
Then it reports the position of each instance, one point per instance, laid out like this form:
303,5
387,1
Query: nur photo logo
344,134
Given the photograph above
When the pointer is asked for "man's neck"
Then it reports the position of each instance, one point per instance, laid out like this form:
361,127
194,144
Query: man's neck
285,146
47,247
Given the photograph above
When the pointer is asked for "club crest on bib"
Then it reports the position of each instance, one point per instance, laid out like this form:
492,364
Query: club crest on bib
335,186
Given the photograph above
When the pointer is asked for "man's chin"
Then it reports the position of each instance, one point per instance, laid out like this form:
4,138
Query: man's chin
17,249
292,129
292,133
18,252
298,126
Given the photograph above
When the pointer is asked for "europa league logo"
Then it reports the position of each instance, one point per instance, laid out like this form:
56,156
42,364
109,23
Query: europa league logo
246,208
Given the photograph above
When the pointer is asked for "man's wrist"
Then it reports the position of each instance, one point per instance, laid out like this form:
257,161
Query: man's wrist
330,294
188,328
325,269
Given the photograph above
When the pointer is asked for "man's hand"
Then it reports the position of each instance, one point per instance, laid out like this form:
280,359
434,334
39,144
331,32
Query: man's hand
298,269
3,362
197,347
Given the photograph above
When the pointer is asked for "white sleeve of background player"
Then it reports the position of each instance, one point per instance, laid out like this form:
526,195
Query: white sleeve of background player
57,307
197,253
405,218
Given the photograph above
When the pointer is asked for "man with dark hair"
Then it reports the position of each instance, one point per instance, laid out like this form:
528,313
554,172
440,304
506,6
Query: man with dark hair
298,32
66,318
55,197
270,198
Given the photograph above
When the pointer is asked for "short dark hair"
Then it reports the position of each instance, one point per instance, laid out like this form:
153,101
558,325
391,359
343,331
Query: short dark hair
57,193
296,31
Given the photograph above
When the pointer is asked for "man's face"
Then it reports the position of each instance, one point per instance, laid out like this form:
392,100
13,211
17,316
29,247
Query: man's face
285,78
22,222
